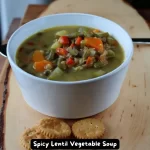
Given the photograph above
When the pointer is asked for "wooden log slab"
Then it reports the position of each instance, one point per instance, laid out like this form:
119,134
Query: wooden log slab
128,118
115,10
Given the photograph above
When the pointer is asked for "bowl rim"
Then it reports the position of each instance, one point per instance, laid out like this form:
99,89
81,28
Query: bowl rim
124,64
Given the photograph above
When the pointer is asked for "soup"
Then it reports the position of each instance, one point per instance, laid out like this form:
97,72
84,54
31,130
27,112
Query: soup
69,53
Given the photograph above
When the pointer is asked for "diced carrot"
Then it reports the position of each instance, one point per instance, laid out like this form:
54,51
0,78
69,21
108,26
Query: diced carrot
96,30
78,40
70,62
89,61
94,43
61,51
64,40
40,66
37,56
72,45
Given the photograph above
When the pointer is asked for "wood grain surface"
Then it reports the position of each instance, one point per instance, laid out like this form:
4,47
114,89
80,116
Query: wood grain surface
32,12
14,25
3,61
128,118
115,10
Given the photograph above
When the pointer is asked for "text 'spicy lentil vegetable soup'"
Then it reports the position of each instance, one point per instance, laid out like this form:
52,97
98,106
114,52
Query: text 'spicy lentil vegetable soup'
69,53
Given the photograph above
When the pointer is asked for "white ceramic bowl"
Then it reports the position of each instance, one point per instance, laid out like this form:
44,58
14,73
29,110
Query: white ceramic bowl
70,99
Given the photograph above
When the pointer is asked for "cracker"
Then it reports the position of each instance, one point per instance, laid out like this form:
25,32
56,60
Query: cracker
89,128
29,134
54,128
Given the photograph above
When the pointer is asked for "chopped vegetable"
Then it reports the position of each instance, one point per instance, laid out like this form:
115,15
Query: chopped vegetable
78,68
98,65
62,33
81,61
84,66
110,54
40,66
72,45
85,32
78,40
70,62
63,65
51,54
98,73
49,66
86,52
82,29
60,59
61,51
55,45
76,60
104,39
47,72
69,55
80,53
64,40
90,61
101,35
54,62
42,51
111,41
95,43
73,52
96,30
56,74
82,43
103,58
73,35
92,52
37,56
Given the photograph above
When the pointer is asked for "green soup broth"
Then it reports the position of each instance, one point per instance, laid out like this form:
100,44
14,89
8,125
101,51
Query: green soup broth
67,55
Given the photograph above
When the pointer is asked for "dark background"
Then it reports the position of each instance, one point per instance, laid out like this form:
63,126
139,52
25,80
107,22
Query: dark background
139,3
